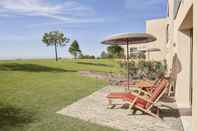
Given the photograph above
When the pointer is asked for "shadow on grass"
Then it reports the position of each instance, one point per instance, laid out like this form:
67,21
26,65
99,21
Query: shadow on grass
31,68
12,117
94,64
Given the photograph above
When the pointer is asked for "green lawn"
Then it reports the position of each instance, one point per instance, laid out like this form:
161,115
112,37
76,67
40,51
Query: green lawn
31,91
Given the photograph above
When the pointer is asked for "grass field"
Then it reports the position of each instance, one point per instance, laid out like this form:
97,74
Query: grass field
31,91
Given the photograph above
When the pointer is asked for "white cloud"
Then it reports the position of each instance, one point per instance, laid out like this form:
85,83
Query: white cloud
29,7
69,11
68,22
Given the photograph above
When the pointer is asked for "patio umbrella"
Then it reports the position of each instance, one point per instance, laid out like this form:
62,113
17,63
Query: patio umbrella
127,39
151,50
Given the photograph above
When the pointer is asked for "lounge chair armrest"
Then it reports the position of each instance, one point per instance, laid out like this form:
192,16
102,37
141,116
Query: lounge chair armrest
145,99
142,97
139,91
135,89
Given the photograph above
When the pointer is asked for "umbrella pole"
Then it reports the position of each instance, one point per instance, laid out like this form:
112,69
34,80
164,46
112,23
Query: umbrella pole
128,63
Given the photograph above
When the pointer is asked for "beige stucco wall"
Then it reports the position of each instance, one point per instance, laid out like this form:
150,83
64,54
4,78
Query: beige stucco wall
174,25
183,77
181,26
194,107
158,28
180,44
182,39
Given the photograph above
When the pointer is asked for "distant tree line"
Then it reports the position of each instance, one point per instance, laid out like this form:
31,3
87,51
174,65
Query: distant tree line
87,56
75,50
113,51
58,39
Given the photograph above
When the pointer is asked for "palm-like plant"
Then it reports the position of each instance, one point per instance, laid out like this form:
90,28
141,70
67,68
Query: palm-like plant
74,49
55,38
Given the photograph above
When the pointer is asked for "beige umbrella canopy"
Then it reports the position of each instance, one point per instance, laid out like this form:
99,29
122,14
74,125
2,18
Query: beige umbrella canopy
128,38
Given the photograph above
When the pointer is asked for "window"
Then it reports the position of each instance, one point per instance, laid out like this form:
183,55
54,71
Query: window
133,49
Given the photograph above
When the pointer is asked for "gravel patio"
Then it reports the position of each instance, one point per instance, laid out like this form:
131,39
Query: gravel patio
94,109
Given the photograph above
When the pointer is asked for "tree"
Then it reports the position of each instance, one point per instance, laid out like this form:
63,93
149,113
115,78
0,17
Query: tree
74,49
104,55
55,38
115,51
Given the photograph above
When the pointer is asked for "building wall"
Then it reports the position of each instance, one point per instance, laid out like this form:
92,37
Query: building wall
179,45
183,66
194,107
158,28
182,39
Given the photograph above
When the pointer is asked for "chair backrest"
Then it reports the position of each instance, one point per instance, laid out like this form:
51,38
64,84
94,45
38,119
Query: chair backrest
158,91
155,85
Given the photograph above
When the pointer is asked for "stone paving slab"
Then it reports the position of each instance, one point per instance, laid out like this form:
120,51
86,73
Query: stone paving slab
94,109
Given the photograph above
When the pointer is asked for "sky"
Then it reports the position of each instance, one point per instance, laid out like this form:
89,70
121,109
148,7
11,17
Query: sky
23,23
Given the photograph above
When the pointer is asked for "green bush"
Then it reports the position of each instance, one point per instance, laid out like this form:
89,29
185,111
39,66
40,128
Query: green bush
140,55
86,56
142,68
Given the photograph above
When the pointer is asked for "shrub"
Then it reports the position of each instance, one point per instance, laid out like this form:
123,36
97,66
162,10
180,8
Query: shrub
148,69
86,56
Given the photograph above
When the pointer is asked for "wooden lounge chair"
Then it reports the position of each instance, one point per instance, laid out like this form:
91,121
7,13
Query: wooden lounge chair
135,88
145,101
143,84
124,83
147,85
